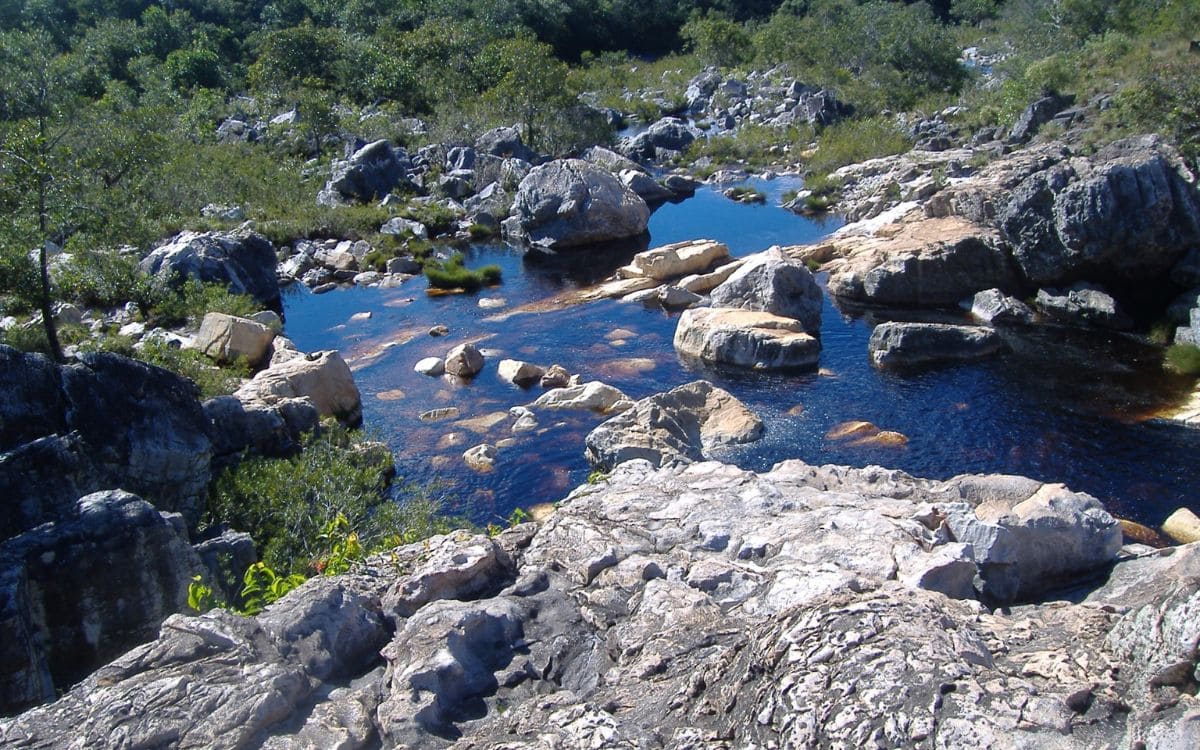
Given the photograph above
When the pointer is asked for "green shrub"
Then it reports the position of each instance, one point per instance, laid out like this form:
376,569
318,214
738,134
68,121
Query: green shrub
824,191
287,505
752,144
100,278
855,141
190,302
1183,359
452,274
746,195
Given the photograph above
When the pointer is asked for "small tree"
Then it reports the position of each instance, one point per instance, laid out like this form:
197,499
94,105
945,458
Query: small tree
531,85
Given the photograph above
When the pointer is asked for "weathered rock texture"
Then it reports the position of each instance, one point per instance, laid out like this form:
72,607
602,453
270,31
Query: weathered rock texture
772,283
76,593
323,378
243,261
1042,216
694,607
106,422
745,338
571,202
674,427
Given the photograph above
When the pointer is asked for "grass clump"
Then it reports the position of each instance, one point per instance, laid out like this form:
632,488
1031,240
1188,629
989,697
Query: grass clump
452,274
1183,359
746,195
823,191
754,145
855,141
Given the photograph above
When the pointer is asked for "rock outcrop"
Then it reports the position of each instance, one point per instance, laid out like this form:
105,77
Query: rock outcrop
109,421
675,427
571,202
695,606
226,338
916,344
242,261
675,260
78,592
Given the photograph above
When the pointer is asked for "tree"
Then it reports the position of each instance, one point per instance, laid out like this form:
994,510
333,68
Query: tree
717,40
531,86
33,101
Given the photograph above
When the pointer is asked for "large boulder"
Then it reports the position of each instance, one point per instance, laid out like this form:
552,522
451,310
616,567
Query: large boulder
646,187
675,260
76,593
916,344
242,261
273,429
505,142
772,283
746,338
226,338
667,134
106,422
369,174
1129,213
931,262
571,202
321,377
678,426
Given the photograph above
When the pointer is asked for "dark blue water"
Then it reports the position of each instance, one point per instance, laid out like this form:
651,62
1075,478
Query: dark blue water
1063,407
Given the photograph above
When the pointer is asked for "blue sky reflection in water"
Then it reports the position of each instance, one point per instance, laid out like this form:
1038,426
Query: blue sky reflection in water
1062,407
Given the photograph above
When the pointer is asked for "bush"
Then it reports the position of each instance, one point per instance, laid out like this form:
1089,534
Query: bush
1183,359
212,380
289,506
452,274
190,302
751,144
855,141
100,278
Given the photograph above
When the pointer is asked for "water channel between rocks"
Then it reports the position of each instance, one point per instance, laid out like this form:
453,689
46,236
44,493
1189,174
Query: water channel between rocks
1063,406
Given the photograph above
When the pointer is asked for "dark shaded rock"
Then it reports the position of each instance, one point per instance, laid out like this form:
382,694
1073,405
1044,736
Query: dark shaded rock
1127,214
1086,304
60,619
914,344
106,422
669,134
226,557
821,108
263,429
243,261
1036,115
570,202
646,187
369,174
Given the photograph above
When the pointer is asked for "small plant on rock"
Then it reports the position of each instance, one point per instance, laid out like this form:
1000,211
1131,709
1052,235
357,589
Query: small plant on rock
1183,359
452,274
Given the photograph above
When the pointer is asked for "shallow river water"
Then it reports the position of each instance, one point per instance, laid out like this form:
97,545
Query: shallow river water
1062,406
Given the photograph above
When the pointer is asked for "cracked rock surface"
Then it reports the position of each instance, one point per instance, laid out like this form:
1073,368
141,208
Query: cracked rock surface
699,606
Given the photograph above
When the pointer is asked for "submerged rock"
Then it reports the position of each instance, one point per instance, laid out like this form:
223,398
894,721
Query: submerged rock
914,344
678,426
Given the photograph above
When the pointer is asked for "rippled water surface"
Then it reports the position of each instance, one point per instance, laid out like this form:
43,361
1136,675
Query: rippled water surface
1061,407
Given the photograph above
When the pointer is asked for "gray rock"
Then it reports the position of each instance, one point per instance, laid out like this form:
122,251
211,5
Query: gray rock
431,366
610,160
645,186
226,338
61,619
323,378
570,202
770,282
917,344
369,174
1129,212
505,142
399,225
667,134
1035,116
1084,303
464,361
593,396
678,426
243,261
106,422
226,557
995,307
262,429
